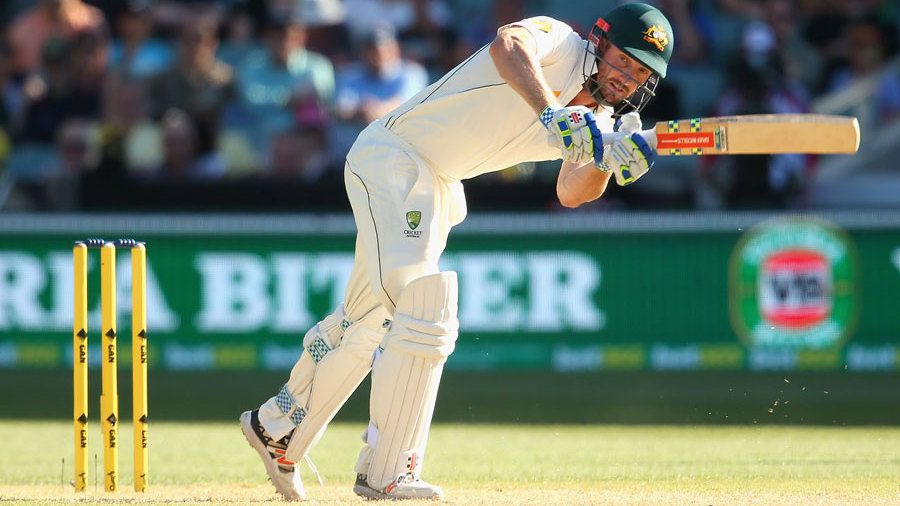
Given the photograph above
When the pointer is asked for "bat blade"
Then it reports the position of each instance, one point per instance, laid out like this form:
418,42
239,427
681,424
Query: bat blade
758,134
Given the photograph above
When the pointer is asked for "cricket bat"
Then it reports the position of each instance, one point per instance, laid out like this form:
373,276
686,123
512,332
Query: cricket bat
756,134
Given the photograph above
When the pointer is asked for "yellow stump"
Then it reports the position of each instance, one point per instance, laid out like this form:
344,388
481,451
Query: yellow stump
139,364
80,365
109,397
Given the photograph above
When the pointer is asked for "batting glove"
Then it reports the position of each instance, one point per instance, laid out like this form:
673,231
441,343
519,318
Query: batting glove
628,158
574,131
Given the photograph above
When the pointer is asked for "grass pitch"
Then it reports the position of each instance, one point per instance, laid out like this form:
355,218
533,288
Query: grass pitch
209,462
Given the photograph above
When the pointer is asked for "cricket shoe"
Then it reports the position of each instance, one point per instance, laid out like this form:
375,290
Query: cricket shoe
282,472
398,490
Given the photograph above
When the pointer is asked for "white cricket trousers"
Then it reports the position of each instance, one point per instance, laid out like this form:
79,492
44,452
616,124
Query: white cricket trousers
403,210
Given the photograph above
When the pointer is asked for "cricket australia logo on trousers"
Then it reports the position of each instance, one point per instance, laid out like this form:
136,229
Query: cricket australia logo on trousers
413,219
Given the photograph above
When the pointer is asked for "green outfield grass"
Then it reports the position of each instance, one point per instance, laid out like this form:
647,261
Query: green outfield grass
536,397
500,438
493,464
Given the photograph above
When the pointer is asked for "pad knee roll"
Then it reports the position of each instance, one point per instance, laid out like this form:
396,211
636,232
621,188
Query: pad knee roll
425,322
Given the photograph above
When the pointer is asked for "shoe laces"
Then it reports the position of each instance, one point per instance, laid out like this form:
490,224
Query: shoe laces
315,470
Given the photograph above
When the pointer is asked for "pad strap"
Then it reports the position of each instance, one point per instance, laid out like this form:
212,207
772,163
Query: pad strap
289,406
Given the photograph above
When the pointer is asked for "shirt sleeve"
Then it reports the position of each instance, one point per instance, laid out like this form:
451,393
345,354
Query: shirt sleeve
550,36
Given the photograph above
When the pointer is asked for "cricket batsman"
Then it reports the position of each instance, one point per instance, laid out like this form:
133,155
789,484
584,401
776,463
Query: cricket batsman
537,92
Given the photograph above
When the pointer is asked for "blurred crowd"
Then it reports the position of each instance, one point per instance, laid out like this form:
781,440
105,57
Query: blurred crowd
194,93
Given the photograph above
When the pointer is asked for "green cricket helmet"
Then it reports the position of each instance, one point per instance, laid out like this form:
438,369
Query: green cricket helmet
642,32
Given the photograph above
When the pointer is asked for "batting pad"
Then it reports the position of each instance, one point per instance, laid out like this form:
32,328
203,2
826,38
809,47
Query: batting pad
405,381
337,355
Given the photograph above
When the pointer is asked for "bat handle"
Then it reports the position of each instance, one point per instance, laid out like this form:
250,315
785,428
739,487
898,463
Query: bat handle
648,135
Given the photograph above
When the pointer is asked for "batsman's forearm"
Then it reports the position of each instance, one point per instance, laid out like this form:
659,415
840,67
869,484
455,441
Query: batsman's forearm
514,57
577,185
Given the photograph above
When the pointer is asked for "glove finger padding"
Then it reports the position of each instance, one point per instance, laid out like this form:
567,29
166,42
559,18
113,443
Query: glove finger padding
644,147
630,158
568,132
582,149
596,139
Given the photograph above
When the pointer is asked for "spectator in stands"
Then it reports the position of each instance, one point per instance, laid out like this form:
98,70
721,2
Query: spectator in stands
197,83
824,26
76,146
135,53
130,140
49,19
239,39
376,85
42,95
483,29
431,39
170,15
68,86
693,23
326,32
188,150
298,154
403,15
747,9
802,62
10,93
864,52
286,77
285,154
867,42
88,67
47,175
424,28
758,84
888,100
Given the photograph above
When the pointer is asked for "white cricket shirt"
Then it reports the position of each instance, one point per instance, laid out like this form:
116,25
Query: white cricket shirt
471,122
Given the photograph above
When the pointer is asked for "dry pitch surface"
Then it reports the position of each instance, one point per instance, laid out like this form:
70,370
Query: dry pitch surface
209,463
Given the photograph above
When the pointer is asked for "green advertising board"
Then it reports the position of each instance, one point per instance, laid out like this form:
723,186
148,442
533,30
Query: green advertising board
568,292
